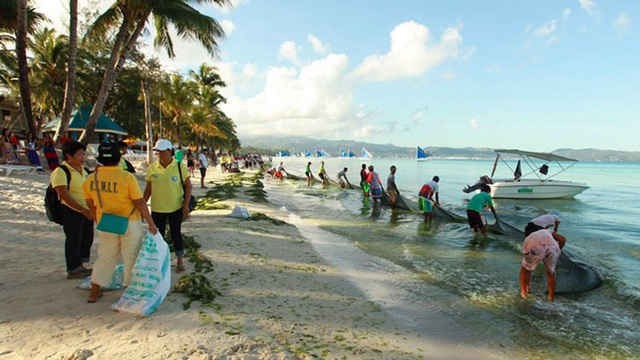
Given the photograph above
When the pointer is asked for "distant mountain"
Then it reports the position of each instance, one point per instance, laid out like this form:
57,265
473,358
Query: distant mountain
300,144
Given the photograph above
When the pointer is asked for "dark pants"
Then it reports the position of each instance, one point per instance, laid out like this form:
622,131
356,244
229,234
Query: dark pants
78,231
531,228
175,224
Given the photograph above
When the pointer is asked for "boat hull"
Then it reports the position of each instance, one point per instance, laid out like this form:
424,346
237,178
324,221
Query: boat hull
536,189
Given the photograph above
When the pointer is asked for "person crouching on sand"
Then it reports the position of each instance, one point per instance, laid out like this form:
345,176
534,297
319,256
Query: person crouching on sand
540,246
112,191
478,202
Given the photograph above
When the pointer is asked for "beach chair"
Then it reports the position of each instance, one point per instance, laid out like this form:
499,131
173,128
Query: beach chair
8,169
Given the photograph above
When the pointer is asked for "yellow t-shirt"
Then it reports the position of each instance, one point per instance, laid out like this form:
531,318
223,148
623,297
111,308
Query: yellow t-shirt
166,190
118,189
59,178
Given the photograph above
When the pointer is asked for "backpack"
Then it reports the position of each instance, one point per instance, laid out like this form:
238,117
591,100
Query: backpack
52,204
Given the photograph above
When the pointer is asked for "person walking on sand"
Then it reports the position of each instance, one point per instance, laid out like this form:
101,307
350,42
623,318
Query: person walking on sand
203,165
363,180
373,179
323,175
546,221
77,220
113,193
191,163
425,198
392,189
308,173
477,203
540,246
169,197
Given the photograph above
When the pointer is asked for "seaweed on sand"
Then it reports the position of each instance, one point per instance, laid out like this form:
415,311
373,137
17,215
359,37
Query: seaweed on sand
257,216
195,285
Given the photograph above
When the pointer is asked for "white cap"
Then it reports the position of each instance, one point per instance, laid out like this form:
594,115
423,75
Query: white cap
162,145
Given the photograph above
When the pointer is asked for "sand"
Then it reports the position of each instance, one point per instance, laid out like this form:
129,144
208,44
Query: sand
279,299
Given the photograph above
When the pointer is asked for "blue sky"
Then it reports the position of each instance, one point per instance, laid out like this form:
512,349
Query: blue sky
536,75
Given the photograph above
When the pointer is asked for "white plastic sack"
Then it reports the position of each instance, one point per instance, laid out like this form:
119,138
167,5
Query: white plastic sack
115,284
150,278
240,212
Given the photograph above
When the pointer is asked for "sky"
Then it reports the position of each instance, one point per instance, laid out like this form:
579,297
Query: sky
536,75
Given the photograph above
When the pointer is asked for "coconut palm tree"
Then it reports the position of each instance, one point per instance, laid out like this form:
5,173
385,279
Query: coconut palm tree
131,16
178,102
70,87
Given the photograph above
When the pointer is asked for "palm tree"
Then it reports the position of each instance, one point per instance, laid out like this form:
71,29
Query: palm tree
132,15
178,101
70,88
49,56
18,18
23,66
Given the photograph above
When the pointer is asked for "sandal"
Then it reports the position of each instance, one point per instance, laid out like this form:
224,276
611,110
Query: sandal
95,293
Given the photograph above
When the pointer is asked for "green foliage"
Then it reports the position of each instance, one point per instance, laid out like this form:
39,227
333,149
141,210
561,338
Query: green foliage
195,285
258,216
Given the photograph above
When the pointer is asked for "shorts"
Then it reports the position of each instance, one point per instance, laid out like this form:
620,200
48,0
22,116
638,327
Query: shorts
531,228
321,176
549,255
376,192
203,172
474,219
425,205
365,187
190,163
307,174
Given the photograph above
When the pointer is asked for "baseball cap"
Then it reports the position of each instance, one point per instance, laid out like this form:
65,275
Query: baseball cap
162,145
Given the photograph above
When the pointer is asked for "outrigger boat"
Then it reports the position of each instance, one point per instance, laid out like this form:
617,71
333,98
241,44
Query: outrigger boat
540,187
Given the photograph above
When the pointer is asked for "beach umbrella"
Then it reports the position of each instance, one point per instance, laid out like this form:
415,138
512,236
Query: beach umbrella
79,121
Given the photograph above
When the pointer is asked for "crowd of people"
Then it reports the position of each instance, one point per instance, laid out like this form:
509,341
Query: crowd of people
542,242
109,204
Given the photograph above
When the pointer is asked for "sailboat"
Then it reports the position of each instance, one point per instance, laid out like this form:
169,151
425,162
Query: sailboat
422,155
365,155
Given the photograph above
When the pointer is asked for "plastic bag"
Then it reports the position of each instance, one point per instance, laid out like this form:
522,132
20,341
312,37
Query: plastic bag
150,278
240,212
115,284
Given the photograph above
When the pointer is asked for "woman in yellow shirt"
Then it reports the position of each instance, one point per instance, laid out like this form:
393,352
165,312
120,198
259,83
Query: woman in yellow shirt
169,197
113,191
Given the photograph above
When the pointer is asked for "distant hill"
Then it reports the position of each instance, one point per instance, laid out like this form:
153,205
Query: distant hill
298,144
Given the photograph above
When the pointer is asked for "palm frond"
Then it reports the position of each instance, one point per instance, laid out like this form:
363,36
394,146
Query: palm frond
105,22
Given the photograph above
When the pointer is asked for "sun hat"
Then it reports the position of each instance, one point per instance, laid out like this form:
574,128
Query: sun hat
162,145
108,153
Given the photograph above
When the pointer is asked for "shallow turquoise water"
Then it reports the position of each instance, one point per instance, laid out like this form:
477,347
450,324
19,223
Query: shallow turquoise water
478,281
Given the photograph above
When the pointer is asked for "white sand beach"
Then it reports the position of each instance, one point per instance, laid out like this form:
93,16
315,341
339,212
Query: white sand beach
279,299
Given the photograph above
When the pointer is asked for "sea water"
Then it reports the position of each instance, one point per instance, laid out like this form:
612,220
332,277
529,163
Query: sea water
475,282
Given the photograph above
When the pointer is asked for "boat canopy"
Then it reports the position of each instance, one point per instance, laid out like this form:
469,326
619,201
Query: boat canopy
538,155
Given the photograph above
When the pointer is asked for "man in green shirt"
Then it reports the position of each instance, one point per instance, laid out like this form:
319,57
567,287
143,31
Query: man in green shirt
478,202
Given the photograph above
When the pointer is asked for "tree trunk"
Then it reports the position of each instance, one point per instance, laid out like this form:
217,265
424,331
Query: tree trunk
147,120
23,74
70,89
116,61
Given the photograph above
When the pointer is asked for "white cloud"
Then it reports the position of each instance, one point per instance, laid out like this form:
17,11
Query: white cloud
448,75
565,14
57,11
317,45
289,51
474,124
410,53
588,5
228,26
189,53
314,100
249,71
546,29
622,23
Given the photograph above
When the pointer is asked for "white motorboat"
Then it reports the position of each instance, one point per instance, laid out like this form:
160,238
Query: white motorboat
539,185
